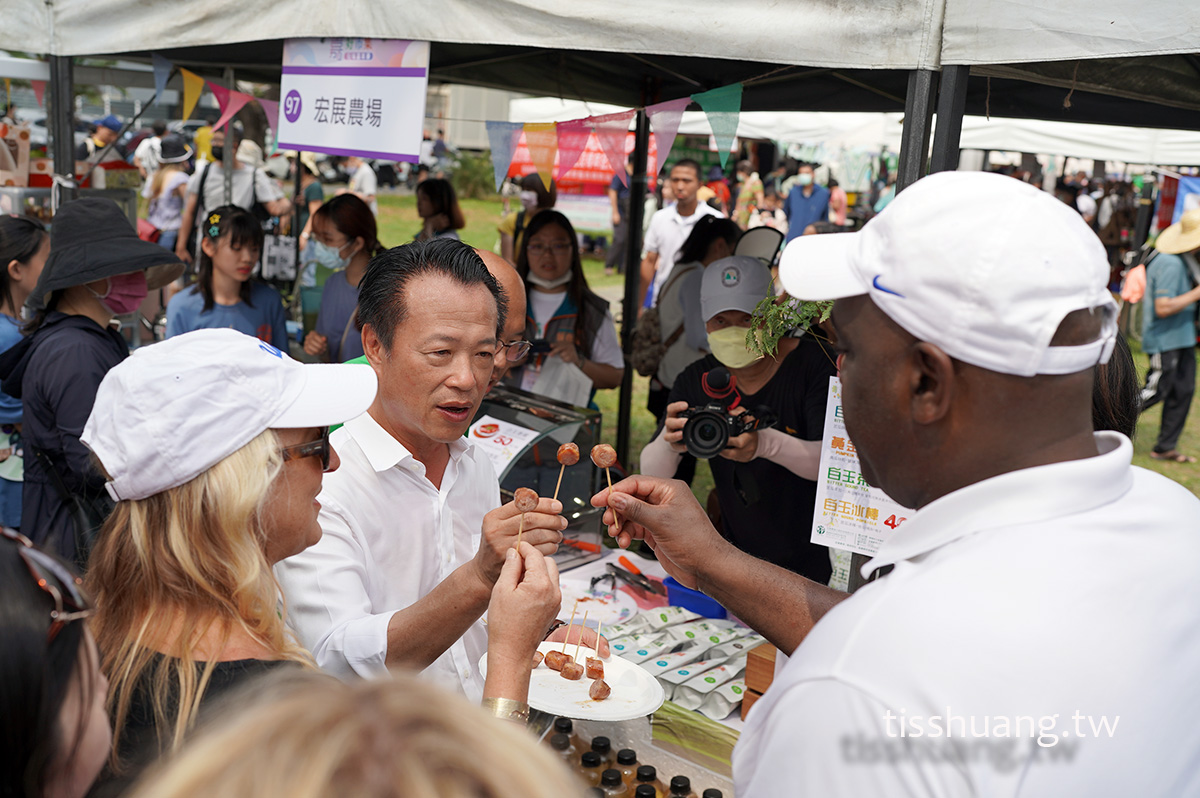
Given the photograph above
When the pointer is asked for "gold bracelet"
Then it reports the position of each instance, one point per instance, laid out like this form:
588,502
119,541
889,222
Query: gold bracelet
507,709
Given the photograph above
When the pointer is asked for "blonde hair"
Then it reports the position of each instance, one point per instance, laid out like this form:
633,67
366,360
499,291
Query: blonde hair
160,178
311,736
170,568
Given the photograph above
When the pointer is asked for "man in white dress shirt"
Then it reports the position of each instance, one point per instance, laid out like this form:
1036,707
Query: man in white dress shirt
413,532
1035,628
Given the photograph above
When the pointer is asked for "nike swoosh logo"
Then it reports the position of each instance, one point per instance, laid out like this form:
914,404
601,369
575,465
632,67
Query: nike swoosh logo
885,289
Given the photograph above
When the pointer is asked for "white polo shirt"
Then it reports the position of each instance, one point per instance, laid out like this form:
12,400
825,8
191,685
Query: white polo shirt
389,538
1062,597
666,235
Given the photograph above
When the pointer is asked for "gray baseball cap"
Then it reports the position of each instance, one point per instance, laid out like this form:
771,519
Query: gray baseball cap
739,282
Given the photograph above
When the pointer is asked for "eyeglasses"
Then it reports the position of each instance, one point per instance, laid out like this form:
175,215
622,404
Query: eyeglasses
70,602
516,349
319,447
560,248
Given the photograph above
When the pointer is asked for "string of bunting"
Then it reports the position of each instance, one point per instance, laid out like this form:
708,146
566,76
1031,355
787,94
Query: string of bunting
228,101
555,147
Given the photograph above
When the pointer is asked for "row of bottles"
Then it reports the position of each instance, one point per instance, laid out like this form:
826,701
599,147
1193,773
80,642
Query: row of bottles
618,774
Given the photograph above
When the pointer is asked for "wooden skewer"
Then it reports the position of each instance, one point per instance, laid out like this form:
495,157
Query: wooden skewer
579,639
561,469
616,518
520,529
568,634
598,625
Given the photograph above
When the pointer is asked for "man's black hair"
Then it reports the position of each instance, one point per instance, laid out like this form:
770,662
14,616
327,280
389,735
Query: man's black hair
689,162
381,293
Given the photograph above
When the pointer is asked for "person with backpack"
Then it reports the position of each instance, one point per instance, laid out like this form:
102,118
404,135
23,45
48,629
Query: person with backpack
1169,334
252,190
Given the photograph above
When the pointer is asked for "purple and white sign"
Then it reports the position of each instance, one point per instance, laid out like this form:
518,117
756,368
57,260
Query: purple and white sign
362,97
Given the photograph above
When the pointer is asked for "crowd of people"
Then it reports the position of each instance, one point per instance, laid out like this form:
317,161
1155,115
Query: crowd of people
211,592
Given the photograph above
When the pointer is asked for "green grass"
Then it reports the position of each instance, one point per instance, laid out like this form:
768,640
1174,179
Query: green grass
398,222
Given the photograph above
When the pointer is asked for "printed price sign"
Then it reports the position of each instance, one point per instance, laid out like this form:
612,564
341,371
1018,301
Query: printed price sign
501,440
850,514
362,97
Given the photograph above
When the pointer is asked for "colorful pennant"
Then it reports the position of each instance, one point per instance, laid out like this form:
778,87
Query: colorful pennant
39,91
664,124
271,109
229,101
162,71
572,141
542,141
503,138
723,107
611,130
193,84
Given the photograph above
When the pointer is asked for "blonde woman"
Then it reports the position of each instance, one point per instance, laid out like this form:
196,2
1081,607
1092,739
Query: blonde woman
310,736
165,190
213,444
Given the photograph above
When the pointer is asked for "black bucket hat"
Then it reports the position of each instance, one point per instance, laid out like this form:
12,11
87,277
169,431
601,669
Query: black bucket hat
174,149
90,239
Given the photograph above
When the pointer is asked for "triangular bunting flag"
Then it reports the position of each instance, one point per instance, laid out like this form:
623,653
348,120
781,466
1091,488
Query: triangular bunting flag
503,138
542,142
162,71
230,103
612,130
193,84
572,141
39,91
664,124
271,109
723,107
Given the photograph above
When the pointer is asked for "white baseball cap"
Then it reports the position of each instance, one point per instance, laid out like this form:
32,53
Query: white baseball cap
173,410
981,265
738,282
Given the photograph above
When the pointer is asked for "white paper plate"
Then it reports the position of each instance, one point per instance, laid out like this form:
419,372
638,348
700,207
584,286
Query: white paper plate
600,605
635,693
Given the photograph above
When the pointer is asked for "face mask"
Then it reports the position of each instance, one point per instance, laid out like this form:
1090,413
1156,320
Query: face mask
528,200
218,152
125,293
328,257
728,345
804,180
557,282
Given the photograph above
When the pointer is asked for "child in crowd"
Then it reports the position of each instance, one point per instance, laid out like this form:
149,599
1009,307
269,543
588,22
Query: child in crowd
224,295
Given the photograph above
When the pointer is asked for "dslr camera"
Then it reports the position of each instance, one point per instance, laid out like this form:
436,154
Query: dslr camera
709,428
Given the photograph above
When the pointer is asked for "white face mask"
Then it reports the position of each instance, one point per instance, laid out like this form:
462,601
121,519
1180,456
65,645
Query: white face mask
329,257
804,180
557,282
528,200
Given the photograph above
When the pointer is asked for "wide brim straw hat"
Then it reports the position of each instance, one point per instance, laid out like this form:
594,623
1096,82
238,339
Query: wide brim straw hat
90,239
1183,236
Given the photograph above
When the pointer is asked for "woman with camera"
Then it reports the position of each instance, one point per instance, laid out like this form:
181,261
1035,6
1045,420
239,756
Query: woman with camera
771,408
565,320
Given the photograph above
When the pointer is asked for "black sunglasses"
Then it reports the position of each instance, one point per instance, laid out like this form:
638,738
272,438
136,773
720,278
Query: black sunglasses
319,447
70,602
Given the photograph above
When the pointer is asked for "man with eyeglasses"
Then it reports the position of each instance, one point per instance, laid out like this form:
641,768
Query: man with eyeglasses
512,348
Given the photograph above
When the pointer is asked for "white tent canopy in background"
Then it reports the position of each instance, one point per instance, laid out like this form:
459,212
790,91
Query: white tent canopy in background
870,132
882,34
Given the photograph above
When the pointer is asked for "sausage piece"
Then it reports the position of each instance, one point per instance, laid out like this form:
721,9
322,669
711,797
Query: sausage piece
599,690
571,670
525,499
537,658
594,668
604,456
556,659
568,454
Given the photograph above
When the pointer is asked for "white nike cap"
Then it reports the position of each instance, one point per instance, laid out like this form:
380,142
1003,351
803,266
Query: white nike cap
981,265
173,410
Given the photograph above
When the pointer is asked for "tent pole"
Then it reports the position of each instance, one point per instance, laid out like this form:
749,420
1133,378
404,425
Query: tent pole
918,118
230,154
62,127
952,102
633,262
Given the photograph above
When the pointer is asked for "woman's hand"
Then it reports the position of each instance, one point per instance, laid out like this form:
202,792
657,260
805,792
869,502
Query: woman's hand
563,348
316,345
673,425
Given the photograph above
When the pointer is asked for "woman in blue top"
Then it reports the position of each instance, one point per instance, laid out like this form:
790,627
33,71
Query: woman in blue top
24,247
224,295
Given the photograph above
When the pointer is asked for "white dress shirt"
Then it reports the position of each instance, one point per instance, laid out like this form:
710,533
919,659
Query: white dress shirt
389,537
1065,594
666,235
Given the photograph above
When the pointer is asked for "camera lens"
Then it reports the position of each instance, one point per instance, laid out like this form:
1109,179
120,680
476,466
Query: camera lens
706,433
